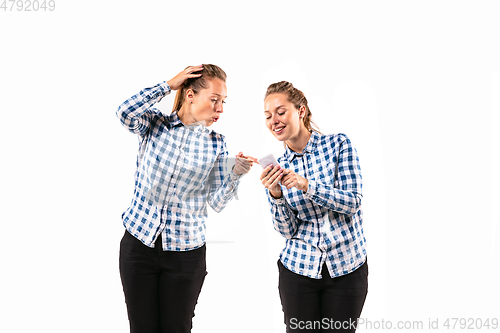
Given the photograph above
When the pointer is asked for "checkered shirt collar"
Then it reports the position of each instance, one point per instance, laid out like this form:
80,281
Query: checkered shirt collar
309,148
174,121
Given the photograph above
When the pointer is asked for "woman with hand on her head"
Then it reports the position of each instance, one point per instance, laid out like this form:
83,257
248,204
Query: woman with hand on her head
315,198
180,169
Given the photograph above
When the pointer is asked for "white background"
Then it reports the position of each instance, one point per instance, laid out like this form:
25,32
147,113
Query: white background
414,84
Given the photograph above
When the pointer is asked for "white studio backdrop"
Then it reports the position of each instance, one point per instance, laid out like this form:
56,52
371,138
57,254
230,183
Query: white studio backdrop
414,84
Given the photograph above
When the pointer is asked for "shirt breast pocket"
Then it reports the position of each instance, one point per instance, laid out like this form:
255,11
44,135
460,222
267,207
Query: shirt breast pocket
197,168
325,174
198,161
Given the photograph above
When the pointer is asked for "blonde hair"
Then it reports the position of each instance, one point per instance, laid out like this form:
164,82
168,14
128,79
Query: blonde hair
198,83
297,98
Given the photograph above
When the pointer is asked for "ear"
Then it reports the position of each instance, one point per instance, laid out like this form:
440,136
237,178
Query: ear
189,95
302,111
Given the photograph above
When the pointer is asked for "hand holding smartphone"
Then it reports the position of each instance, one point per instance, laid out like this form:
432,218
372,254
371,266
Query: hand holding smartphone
264,161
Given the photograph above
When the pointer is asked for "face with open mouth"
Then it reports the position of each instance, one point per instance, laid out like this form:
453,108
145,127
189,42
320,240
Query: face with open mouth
207,104
282,118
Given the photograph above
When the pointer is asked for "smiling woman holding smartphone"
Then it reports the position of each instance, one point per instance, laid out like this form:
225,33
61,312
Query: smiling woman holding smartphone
180,169
315,198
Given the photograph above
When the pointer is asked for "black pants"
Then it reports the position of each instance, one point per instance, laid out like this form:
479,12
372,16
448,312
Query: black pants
324,305
161,287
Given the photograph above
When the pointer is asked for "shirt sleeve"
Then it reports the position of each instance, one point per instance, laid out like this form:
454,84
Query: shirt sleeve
136,113
345,196
284,218
223,184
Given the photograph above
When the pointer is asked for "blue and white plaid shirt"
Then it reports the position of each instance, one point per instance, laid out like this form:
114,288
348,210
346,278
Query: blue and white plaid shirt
325,224
179,169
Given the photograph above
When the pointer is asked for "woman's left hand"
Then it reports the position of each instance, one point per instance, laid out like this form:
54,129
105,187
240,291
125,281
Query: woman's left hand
291,179
190,72
243,164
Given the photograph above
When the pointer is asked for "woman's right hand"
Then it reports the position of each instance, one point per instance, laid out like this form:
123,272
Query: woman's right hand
270,178
179,79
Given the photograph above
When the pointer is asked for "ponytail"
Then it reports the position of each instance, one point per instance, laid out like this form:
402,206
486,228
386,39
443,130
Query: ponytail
179,98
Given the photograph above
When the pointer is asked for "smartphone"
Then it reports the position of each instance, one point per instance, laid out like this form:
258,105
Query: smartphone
264,161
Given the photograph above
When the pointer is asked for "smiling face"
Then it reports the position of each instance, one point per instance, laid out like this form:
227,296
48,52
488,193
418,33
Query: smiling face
207,105
282,118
